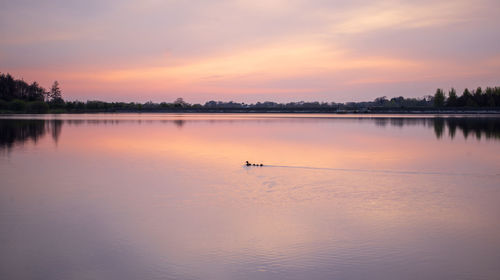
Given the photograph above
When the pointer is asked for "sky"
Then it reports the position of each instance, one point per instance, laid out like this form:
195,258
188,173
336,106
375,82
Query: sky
251,50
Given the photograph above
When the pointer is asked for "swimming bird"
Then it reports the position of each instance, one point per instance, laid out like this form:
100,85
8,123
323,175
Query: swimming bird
253,164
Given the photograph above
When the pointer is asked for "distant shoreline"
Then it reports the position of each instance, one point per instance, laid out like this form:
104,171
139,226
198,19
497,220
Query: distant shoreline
17,96
375,111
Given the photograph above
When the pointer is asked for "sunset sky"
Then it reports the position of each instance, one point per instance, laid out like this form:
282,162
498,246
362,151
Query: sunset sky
251,50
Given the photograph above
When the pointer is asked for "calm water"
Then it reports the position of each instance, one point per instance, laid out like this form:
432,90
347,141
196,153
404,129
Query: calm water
146,196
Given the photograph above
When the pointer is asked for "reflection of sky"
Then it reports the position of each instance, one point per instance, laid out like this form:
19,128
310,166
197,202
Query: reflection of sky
251,50
144,200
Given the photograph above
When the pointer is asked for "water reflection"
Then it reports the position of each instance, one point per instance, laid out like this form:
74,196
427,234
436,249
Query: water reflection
19,131
14,132
487,127
167,197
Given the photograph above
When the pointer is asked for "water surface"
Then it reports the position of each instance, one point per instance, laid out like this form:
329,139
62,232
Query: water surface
167,196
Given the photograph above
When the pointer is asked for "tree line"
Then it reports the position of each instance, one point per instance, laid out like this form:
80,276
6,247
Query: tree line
18,96
490,97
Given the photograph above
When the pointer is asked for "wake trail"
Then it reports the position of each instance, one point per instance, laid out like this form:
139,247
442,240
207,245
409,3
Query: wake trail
411,172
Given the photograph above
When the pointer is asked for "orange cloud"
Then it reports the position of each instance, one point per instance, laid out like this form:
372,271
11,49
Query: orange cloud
246,70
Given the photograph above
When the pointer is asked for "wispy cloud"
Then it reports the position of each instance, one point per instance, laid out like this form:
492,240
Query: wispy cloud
402,15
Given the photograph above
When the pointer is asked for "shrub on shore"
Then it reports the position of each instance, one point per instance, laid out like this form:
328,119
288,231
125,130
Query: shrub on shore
17,105
37,107
3,105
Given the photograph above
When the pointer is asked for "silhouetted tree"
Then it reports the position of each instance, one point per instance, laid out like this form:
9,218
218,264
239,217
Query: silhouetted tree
478,97
452,98
489,97
7,87
36,92
466,99
55,93
439,98
11,89
180,103
381,101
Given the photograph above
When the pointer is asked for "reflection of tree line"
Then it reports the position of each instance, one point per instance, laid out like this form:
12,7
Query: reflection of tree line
488,127
14,132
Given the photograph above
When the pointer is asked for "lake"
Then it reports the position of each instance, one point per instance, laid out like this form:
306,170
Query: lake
168,196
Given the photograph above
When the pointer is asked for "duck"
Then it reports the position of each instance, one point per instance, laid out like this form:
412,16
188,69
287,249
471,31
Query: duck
253,164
